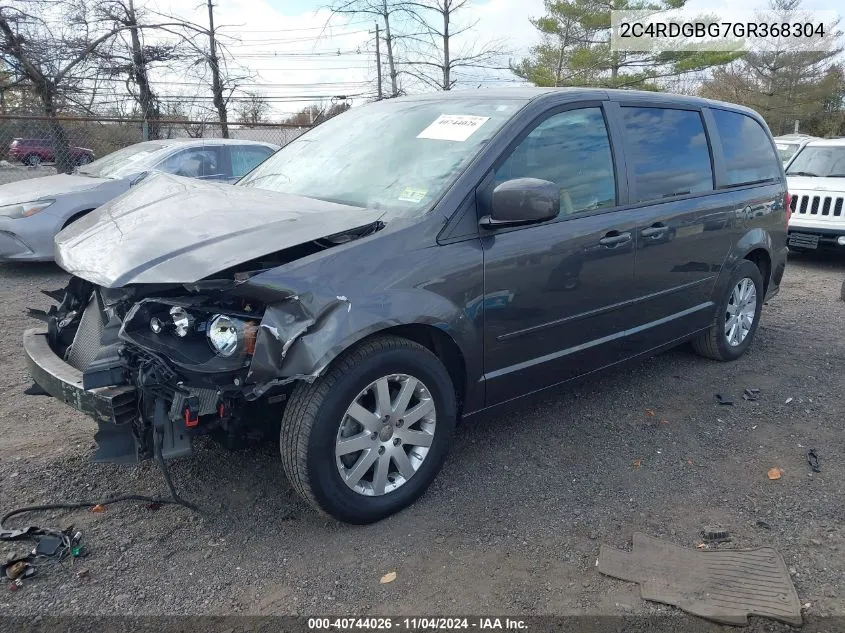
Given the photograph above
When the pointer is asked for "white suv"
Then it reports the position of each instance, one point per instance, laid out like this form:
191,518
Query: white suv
791,144
816,180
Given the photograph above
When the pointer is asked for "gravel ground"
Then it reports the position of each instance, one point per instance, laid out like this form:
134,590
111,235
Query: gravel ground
513,523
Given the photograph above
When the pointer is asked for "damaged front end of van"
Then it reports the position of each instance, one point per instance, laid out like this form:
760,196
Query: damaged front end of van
174,331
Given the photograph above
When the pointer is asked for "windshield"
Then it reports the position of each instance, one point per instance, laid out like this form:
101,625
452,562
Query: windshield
124,162
826,162
391,155
787,150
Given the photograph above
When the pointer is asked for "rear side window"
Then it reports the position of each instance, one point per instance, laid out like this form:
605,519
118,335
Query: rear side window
668,150
749,155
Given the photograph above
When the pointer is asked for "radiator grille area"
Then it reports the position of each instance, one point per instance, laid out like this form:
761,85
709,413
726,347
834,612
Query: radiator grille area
86,342
818,205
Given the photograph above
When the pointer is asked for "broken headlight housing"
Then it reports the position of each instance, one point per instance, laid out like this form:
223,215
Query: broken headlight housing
228,335
191,334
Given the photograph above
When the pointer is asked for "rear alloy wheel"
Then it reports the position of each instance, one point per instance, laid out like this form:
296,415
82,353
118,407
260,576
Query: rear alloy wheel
84,159
742,309
737,317
367,438
33,160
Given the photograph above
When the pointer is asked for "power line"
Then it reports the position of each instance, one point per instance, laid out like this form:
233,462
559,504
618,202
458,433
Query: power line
280,40
309,28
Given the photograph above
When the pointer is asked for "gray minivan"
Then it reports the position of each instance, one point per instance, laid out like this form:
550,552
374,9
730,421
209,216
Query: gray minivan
410,263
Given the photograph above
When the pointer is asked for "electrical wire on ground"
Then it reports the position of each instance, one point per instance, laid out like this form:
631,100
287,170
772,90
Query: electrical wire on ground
174,499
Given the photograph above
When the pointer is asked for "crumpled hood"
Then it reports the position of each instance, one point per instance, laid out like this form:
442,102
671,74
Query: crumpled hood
170,229
807,183
45,187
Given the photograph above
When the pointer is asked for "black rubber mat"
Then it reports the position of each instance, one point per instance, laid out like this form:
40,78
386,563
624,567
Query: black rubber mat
722,585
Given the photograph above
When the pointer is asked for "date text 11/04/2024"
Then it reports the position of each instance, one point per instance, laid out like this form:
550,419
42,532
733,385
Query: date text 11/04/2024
416,624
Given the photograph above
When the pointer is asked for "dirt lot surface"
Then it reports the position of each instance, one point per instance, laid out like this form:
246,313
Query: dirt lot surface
513,523
11,172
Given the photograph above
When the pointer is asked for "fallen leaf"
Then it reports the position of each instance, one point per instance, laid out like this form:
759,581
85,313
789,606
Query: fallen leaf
702,546
638,463
649,411
788,400
388,577
690,462
775,473
664,422
98,508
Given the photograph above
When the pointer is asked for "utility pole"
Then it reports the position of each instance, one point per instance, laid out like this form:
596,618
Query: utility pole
216,84
378,62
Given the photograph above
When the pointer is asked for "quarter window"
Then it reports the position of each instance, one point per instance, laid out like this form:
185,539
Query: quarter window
245,158
572,150
669,153
749,155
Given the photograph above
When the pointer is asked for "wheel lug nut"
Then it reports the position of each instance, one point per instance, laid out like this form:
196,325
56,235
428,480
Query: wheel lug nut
396,441
373,436
381,450
400,422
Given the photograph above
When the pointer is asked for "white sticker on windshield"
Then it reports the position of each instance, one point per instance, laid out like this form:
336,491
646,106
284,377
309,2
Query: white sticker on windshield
453,127
781,146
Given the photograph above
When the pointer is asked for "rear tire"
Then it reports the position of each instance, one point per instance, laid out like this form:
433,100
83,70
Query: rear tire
317,420
33,160
715,342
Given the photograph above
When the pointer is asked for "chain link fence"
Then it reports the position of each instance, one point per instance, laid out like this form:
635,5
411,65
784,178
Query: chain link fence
33,146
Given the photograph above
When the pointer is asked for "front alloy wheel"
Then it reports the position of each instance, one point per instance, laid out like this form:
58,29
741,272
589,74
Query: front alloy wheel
368,437
385,435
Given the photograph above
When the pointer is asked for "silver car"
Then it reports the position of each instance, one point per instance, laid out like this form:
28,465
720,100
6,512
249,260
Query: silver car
33,211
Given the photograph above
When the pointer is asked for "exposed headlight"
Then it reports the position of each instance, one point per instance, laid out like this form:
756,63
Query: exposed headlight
182,321
156,325
223,334
24,209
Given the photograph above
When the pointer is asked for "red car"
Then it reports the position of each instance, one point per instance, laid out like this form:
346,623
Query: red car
34,151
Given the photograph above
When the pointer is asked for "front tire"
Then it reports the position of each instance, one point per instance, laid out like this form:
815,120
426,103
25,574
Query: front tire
733,328
33,160
366,439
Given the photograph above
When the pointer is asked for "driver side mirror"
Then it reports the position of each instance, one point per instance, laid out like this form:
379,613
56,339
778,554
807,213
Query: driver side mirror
522,201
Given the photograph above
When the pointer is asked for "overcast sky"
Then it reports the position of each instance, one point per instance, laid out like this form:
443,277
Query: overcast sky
292,46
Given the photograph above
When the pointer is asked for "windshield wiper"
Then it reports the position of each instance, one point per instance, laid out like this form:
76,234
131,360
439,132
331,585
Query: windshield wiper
802,173
835,176
265,177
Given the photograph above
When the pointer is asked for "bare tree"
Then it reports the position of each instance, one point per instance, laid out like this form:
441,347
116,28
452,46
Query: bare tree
133,59
317,113
786,82
211,55
252,109
439,51
384,10
51,46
